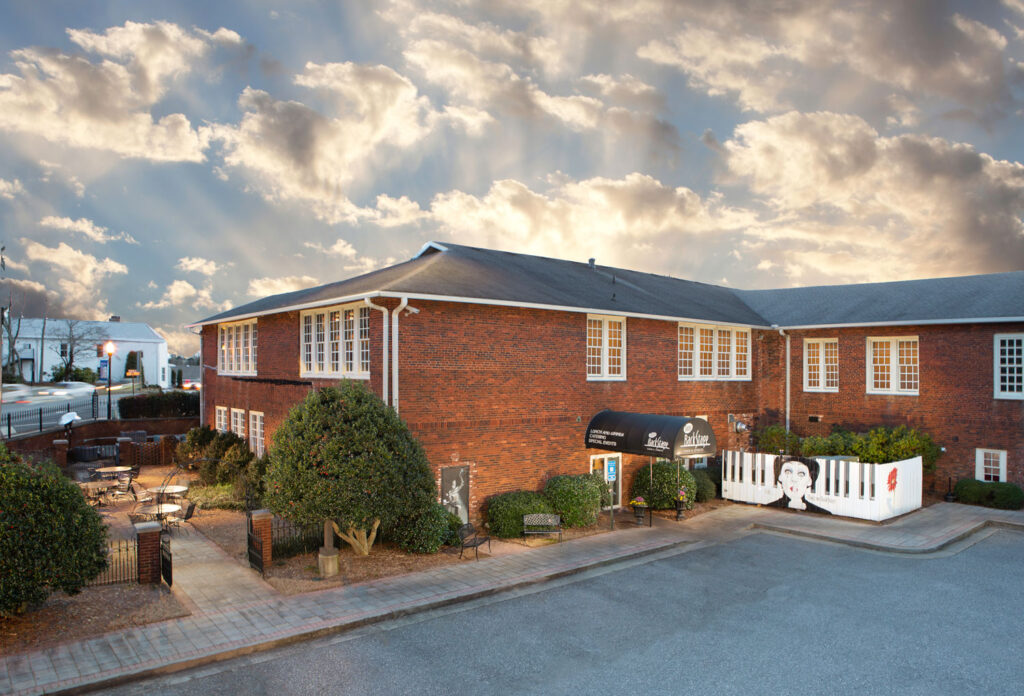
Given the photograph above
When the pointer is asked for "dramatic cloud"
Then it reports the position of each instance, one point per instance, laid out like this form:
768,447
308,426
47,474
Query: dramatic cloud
31,299
179,341
106,105
87,228
294,153
9,189
261,287
81,277
195,264
930,206
181,292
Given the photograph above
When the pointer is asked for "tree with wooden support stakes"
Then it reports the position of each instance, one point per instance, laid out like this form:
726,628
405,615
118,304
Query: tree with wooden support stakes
344,459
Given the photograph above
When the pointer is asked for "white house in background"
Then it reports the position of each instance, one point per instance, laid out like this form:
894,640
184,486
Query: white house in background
38,355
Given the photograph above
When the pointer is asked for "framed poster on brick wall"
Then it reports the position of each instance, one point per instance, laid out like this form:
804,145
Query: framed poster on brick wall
455,490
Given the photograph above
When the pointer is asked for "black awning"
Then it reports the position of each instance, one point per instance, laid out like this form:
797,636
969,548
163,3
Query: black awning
649,434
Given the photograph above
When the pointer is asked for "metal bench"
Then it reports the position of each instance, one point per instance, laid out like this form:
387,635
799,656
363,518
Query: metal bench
469,539
542,523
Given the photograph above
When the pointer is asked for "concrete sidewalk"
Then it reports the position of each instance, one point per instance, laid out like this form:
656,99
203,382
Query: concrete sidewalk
227,622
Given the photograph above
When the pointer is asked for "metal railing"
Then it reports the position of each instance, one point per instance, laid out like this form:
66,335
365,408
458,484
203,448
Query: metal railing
122,563
19,421
289,539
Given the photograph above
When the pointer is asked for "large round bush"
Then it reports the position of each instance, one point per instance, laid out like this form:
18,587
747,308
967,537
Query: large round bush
430,531
577,499
505,512
50,539
662,495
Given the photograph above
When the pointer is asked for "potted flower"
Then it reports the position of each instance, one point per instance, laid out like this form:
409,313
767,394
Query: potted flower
639,505
681,502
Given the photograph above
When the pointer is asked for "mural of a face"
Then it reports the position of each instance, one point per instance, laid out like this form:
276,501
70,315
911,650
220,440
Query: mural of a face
795,479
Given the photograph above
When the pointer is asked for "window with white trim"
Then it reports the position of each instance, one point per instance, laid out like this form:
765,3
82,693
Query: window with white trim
713,352
238,422
821,364
256,443
606,347
236,348
893,366
221,422
335,342
1009,366
990,465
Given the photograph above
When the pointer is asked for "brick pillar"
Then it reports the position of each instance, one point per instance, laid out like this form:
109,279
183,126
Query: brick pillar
147,536
168,444
124,451
261,527
60,453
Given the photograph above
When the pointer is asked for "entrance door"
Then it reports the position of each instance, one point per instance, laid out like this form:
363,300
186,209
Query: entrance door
603,464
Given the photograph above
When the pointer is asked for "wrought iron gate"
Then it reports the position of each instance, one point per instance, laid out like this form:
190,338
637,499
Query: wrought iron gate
165,558
255,544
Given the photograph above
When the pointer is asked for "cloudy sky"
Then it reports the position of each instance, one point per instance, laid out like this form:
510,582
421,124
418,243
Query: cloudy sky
164,161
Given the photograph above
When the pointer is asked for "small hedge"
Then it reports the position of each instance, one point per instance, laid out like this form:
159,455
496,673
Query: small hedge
576,499
172,404
714,472
705,486
994,494
505,511
877,446
430,531
662,495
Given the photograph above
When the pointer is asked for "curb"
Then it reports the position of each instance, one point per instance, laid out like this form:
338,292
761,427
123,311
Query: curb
913,550
312,634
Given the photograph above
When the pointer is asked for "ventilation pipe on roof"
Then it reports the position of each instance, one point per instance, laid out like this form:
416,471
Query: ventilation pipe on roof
404,304
384,355
591,262
782,332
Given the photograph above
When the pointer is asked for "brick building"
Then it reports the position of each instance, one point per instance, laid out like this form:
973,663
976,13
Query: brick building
497,361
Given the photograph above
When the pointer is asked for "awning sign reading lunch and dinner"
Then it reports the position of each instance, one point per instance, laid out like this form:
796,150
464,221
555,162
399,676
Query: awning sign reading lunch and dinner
649,434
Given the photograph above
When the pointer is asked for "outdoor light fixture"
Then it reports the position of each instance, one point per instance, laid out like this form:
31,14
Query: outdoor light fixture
109,349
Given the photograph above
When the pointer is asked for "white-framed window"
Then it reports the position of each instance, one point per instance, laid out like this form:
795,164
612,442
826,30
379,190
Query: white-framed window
335,342
990,465
256,443
606,347
221,422
236,348
893,366
1008,366
713,352
238,422
821,364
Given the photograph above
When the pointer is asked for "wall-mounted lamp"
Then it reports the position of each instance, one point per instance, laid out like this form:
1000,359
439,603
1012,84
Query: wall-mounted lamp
737,425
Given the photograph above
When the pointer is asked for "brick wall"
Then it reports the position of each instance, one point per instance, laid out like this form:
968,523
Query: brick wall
41,445
504,389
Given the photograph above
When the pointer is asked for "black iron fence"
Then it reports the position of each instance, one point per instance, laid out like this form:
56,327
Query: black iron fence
289,539
122,563
254,545
19,419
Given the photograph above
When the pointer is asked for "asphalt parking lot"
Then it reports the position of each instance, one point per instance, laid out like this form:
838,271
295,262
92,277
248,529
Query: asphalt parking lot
764,614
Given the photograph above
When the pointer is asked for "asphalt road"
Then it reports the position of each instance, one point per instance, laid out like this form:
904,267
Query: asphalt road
763,615
25,416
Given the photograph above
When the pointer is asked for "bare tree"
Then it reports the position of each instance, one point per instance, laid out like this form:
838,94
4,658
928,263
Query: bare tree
12,328
72,338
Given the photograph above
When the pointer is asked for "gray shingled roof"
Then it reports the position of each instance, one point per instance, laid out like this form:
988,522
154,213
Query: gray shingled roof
114,330
502,277
470,273
934,300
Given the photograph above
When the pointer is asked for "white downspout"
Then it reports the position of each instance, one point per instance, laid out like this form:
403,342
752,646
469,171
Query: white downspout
788,376
404,304
384,354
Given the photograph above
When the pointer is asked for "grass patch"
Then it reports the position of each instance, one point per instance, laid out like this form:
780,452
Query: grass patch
218,495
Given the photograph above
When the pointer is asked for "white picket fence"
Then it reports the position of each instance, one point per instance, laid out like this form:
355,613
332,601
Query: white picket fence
851,489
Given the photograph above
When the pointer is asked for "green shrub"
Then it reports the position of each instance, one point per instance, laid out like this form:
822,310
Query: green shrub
970,491
714,472
575,498
170,404
233,464
598,482
222,496
705,486
76,374
1007,496
775,438
881,445
50,539
662,496
194,444
505,511
816,446
428,532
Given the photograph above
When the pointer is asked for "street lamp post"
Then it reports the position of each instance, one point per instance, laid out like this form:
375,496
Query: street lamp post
108,349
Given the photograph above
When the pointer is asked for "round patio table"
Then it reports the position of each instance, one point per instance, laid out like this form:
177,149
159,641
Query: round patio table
160,510
167,490
112,471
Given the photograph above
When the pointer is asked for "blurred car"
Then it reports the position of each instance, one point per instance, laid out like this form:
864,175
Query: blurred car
68,389
16,393
191,384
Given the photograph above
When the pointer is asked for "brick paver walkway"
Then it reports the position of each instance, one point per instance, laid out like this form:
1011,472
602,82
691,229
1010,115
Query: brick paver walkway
226,621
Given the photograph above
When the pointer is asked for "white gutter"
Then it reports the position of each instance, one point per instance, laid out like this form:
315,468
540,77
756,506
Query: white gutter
404,304
782,332
384,354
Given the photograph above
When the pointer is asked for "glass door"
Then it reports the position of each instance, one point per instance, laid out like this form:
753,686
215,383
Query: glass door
605,465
